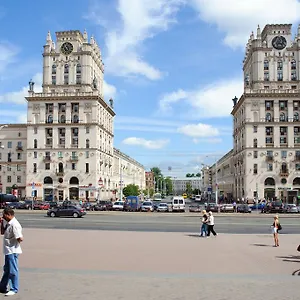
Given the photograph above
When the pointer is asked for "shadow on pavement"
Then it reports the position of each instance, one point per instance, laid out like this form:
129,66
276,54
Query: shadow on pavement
193,235
261,245
290,258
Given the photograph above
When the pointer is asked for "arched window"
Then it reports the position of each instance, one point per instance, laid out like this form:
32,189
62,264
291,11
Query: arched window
75,119
293,65
35,143
78,68
48,180
284,168
62,119
296,181
66,69
282,117
296,117
53,69
270,181
74,180
87,143
268,117
266,65
60,167
279,65
50,119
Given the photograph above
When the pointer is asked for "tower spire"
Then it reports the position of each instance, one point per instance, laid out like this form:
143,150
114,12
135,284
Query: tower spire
85,36
49,39
258,32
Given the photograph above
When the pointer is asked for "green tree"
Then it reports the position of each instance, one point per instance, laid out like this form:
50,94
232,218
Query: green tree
151,192
198,175
157,175
131,190
196,192
188,175
169,187
188,188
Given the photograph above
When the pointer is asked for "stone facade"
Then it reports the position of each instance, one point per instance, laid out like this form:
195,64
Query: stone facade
150,181
179,185
69,149
266,117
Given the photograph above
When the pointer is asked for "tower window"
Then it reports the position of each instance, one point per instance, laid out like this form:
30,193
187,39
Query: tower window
279,76
66,69
266,76
266,65
78,79
294,75
293,65
53,80
78,68
279,65
66,79
53,69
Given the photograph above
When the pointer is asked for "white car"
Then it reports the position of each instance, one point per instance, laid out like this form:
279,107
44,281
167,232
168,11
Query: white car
147,206
162,207
118,205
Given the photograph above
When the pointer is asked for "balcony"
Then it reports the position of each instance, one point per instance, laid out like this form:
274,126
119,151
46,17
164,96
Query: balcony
61,173
284,173
74,158
47,158
19,148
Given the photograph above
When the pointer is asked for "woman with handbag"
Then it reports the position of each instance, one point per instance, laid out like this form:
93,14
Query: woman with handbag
275,228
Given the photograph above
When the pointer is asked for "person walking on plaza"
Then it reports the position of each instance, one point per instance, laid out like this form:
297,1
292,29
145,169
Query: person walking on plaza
204,226
275,228
211,224
11,230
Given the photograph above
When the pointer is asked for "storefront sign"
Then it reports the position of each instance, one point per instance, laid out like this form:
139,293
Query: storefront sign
87,188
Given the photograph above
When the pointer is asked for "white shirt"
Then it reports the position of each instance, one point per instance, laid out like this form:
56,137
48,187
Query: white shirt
211,220
12,233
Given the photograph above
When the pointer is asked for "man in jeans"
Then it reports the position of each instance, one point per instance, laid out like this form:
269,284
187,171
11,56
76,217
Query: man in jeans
12,237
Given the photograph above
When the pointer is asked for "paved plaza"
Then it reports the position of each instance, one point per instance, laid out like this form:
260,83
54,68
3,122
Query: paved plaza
69,264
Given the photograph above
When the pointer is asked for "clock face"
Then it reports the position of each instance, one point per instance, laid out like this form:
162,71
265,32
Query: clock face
66,48
279,42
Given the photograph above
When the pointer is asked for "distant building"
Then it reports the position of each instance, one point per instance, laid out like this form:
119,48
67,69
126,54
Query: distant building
150,182
179,185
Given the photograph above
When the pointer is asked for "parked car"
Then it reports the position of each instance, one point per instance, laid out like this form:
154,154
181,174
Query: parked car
52,203
162,207
273,207
118,205
88,206
147,206
244,208
41,206
212,207
291,209
227,208
66,211
178,204
103,205
195,208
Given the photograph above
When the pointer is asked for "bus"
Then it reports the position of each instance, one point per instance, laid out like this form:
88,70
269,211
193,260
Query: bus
157,197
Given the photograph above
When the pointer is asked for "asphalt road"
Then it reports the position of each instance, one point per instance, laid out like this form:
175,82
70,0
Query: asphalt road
156,222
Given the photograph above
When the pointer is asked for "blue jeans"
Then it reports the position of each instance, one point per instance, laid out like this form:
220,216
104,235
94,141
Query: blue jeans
11,273
203,229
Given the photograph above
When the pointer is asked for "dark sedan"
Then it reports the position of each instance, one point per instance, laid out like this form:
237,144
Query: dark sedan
103,205
66,211
212,207
244,208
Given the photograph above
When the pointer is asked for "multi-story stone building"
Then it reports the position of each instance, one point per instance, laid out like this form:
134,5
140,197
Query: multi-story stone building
150,181
266,117
69,129
180,185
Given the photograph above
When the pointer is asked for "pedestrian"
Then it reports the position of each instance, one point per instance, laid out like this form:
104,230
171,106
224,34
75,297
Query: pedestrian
12,237
211,224
275,228
204,226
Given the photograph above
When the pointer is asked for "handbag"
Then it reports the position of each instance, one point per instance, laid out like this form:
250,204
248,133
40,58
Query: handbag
298,249
279,227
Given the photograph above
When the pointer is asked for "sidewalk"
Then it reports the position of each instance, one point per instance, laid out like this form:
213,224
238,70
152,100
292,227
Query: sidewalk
132,265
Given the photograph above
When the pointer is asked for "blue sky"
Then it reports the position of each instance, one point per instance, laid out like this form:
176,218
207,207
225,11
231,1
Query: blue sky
172,67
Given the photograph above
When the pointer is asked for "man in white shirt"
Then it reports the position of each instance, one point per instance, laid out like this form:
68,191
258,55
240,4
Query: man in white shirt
12,237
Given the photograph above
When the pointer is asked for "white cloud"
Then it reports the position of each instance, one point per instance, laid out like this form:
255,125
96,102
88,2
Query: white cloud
139,21
110,90
209,141
237,18
199,130
149,144
18,97
7,55
210,101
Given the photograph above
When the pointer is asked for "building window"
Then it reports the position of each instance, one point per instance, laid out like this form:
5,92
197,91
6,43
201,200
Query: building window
78,79
78,69
35,143
9,179
266,76
269,131
266,65
34,154
279,76
50,119
60,154
283,154
283,105
270,167
62,119
296,117
87,129
283,130
293,65
87,154
268,105
282,117
87,143
283,140
75,107
268,117
73,166
19,179
255,154
53,69
53,80
34,168
293,76
297,167
9,144
255,143
66,69
255,169
75,119
269,140
35,130
18,168
279,65
87,167
19,156
66,79
47,166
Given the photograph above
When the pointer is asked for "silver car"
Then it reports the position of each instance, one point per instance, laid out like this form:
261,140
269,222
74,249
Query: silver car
291,209
147,206
162,207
